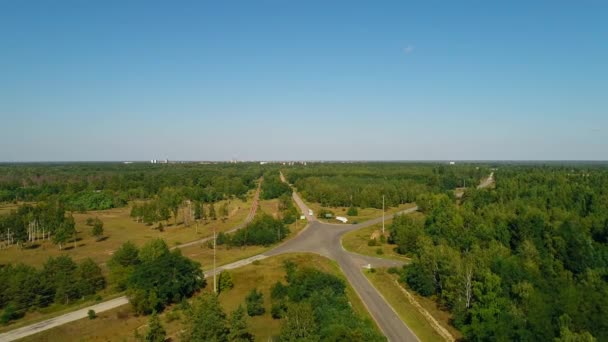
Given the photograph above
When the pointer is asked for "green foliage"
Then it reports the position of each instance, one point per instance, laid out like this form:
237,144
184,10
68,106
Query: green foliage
8,314
60,280
325,213
300,324
404,232
207,320
91,314
156,332
97,230
511,261
122,263
238,327
162,277
96,186
225,281
352,211
263,230
93,200
272,187
314,307
255,303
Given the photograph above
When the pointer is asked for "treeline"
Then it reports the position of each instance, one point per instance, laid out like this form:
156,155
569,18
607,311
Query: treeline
273,187
29,224
61,280
363,184
154,276
264,230
93,186
526,261
313,306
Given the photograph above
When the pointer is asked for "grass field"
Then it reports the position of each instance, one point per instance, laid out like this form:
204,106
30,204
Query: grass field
357,242
415,320
118,228
199,252
364,213
119,324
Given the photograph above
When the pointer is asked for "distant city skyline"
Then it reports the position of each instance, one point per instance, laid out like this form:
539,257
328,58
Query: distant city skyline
314,80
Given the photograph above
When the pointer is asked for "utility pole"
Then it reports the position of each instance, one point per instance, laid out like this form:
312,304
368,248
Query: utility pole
214,269
382,214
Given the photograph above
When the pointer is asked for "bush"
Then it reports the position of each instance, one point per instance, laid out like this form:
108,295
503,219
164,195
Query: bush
352,211
221,239
379,251
255,303
372,242
225,282
277,311
91,314
393,270
263,230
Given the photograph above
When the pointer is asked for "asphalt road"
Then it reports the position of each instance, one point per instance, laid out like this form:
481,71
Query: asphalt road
325,239
317,237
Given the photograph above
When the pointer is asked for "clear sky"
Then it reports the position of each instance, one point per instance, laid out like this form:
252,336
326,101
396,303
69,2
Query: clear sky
369,80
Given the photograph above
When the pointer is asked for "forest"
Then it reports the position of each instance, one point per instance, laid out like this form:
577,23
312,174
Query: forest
98,186
60,280
363,184
526,260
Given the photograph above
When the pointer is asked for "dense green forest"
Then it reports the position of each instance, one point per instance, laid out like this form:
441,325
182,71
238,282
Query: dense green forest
313,307
364,184
96,186
60,280
524,261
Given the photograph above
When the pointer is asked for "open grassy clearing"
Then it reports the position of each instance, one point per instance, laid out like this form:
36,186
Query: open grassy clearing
357,242
119,324
202,253
384,282
364,213
118,228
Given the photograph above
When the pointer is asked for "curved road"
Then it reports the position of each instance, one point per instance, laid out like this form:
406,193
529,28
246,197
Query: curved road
317,237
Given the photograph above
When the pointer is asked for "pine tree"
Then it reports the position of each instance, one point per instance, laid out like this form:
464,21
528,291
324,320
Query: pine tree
97,230
208,321
255,303
238,327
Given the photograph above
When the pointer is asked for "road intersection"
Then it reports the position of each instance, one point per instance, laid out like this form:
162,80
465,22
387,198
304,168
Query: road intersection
318,237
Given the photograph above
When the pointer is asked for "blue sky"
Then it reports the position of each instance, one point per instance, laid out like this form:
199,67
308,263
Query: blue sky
379,80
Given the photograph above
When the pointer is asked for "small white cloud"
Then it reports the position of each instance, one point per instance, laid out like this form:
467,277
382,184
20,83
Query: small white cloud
408,49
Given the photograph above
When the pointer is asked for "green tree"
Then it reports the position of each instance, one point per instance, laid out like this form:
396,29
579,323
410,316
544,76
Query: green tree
352,211
255,303
90,277
299,324
122,263
64,232
97,230
224,210
225,281
238,327
153,250
207,320
212,213
156,332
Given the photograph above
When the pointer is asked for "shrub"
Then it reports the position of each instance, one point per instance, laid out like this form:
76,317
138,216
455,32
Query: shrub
379,251
372,242
91,314
255,303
